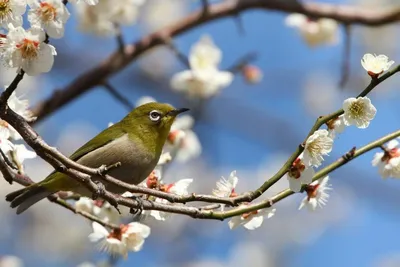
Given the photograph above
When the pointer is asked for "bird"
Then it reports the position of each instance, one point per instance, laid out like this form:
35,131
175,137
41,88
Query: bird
135,143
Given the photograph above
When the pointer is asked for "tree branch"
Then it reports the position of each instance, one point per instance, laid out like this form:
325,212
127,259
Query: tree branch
120,59
118,96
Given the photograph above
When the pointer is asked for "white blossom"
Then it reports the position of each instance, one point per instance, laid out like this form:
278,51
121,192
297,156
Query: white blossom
179,188
184,142
299,174
376,65
135,236
225,187
107,242
315,32
203,80
20,153
11,12
336,126
89,2
388,162
51,15
319,144
92,21
358,111
316,194
103,18
26,50
128,237
251,220
5,144
84,204
10,261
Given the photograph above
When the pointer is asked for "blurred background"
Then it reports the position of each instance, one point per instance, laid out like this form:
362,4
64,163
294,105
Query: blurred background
251,128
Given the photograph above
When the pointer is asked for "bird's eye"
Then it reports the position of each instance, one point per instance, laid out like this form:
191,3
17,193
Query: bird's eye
155,115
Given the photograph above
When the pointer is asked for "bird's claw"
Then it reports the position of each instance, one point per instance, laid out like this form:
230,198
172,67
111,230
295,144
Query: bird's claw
138,211
104,169
100,190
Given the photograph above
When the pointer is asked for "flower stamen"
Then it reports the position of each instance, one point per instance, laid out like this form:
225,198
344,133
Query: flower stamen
28,48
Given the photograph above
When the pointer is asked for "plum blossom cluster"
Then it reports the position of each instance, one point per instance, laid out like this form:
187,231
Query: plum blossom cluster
250,220
104,17
203,79
130,237
154,181
28,49
17,153
356,111
314,31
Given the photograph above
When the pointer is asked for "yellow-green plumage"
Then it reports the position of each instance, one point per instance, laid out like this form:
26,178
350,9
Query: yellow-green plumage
136,142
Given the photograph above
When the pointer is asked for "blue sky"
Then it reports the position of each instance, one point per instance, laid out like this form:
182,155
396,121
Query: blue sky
247,124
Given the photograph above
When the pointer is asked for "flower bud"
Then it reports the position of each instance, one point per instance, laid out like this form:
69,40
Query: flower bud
252,74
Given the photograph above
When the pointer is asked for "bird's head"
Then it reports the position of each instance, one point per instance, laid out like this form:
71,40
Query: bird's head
152,121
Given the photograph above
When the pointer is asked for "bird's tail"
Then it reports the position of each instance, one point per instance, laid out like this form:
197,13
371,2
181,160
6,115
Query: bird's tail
23,198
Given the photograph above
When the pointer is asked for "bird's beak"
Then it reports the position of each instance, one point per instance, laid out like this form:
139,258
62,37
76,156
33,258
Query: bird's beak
175,112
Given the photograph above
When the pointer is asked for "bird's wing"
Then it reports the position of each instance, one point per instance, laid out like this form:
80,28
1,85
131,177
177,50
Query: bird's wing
106,136
102,139
57,181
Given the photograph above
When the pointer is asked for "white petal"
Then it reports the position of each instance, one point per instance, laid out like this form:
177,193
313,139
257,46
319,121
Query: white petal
295,20
254,223
294,184
180,81
139,228
99,229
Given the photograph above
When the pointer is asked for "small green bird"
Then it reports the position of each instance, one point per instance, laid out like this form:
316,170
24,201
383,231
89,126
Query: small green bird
136,142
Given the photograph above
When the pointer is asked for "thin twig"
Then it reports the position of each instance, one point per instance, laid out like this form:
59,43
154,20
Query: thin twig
178,54
7,160
345,66
205,7
120,39
242,61
123,100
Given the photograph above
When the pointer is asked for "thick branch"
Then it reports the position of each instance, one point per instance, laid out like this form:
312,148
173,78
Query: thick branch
119,60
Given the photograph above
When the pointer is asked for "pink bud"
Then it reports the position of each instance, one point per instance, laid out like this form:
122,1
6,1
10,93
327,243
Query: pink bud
252,74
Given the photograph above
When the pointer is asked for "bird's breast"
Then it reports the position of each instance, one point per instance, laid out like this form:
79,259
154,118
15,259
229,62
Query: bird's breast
136,161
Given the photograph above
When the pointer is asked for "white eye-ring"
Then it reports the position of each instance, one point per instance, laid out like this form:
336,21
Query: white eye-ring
155,115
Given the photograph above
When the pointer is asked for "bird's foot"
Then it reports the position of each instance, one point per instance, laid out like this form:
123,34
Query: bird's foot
138,211
104,169
100,190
